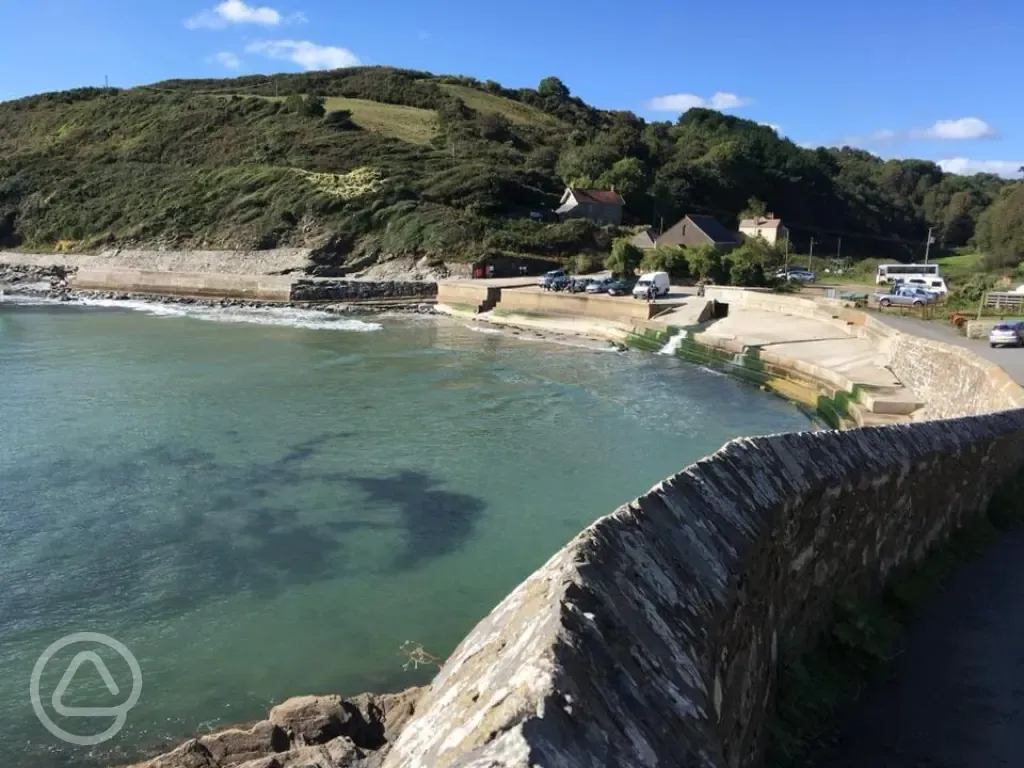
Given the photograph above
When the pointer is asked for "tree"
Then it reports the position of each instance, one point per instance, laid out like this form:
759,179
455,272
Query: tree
493,126
626,176
742,271
705,261
589,162
755,209
313,106
552,87
624,258
666,258
1000,232
295,103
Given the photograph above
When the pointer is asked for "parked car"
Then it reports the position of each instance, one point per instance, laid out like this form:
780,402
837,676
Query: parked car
796,275
931,284
656,280
550,279
579,284
905,296
619,288
599,285
1007,333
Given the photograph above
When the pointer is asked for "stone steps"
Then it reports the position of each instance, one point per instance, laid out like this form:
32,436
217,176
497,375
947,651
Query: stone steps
862,417
895,401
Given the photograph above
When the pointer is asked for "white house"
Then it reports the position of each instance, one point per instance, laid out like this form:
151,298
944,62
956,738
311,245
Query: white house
766,227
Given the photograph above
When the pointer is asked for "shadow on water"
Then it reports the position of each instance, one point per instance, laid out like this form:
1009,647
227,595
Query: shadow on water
436,521
176,526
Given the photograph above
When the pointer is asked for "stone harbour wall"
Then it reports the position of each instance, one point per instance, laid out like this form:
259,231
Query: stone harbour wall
951,381
252,287
361,290
652,638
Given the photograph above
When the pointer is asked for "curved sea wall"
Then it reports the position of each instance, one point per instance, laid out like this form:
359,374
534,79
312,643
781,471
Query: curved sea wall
652,638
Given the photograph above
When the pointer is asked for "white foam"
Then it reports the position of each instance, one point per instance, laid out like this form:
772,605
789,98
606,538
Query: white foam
672,345
282,316
26,300
481,329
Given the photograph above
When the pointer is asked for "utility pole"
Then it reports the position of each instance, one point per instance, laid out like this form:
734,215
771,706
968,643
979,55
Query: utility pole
787,256
839,253
928,244
810,258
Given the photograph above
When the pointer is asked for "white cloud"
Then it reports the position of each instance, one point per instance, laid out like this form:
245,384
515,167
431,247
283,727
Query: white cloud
237,12
965,166
942,130
956,130
680,102
304,53
226,59
423,35
774,126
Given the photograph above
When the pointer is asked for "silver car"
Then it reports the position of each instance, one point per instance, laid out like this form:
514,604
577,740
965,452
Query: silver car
1007,333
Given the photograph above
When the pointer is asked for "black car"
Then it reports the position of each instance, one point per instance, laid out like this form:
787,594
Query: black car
619,288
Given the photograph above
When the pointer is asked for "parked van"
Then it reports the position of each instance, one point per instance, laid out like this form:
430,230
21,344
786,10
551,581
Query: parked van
658,279
931,284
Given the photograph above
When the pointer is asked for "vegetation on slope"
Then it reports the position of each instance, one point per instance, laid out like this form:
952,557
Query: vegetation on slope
378,161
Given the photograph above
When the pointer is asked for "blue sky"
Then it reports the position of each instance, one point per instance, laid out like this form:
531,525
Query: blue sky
901,78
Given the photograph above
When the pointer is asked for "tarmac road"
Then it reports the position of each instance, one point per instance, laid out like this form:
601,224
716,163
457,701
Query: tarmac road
956,695
1010,359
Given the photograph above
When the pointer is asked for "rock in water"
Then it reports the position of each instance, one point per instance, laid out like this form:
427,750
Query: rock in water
304,732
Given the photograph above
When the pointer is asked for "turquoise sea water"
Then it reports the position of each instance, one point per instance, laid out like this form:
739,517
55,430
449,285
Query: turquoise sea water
268,508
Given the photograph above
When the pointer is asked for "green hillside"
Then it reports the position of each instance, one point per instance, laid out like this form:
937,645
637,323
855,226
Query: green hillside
408,163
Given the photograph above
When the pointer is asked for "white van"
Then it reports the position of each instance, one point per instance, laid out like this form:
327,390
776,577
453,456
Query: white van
931,284
658,279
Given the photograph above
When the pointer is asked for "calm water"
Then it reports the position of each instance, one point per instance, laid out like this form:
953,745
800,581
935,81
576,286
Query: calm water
269,508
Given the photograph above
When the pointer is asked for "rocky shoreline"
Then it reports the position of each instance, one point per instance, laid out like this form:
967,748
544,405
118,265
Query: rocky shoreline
304,732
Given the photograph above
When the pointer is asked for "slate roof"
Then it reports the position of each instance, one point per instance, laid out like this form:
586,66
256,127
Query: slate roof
711,227
599,196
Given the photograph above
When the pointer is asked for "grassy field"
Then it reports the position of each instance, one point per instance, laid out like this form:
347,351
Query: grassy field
411,124
961,267
523,114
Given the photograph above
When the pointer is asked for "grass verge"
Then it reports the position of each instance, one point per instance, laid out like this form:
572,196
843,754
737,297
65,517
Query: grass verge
865,634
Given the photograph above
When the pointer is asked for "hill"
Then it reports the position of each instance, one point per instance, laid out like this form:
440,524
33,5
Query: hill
374,161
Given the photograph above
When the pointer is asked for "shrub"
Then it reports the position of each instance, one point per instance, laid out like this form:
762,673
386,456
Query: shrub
706,262
584,264
666,258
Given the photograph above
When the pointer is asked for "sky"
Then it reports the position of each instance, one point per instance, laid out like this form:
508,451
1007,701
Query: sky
900,78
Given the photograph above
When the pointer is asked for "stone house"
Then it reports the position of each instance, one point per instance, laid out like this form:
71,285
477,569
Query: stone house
695,229
766,227
602,206
645,240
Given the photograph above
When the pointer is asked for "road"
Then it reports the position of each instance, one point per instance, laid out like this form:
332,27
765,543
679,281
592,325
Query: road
955,698
956,695
1010,359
